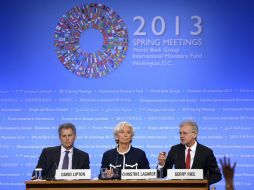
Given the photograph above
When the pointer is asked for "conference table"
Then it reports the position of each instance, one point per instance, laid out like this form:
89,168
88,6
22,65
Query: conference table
118,185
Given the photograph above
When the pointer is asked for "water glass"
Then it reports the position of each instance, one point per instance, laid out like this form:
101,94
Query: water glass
104,173
159,172
38,173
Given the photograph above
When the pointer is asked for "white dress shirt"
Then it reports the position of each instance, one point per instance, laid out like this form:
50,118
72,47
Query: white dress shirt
192,152
62,157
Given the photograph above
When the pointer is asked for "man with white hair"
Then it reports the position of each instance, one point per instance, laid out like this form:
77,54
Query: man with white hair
189,154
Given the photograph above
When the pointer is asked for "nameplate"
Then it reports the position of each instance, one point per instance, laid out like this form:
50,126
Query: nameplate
73,174
185,174
138,173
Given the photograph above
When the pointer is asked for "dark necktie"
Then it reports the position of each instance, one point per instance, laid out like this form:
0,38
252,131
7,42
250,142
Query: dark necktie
66,160
188,159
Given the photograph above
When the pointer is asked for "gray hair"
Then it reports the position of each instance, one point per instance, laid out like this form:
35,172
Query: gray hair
193,124
66,126
119,126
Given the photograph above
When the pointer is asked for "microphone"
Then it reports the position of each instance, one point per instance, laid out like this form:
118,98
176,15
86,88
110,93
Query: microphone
116,157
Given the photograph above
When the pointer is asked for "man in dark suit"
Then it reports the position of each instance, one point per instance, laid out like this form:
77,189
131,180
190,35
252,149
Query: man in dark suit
64,156
190,154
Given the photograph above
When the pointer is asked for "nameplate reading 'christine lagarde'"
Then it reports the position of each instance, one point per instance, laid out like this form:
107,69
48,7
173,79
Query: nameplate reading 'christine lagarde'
138,174
185,174
73,174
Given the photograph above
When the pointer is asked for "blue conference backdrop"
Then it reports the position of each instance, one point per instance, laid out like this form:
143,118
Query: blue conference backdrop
151,63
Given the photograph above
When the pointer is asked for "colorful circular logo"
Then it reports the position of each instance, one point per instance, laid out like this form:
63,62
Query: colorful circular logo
104,60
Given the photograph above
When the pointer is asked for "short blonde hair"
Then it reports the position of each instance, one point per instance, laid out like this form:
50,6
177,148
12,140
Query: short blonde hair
119,126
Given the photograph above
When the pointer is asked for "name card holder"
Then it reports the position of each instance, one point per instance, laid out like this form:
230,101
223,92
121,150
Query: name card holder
184,174
73,174
138,174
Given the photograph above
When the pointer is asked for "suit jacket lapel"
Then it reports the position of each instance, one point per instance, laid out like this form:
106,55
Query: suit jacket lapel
195,161
57,156
182,157
74,159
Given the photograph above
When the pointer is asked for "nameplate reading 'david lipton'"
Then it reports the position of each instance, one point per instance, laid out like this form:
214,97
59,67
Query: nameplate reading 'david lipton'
73,174
138,174
185,174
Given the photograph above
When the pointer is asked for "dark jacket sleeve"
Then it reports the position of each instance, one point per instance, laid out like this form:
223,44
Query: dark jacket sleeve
42,159
80,159
85,163
213,171
143,163
42,163
104,163
105,160
168,163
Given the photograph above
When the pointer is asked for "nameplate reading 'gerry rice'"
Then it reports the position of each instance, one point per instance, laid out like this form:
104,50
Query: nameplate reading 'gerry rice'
185,174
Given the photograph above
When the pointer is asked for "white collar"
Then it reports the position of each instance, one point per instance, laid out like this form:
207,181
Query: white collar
122,153
193,147
64,149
